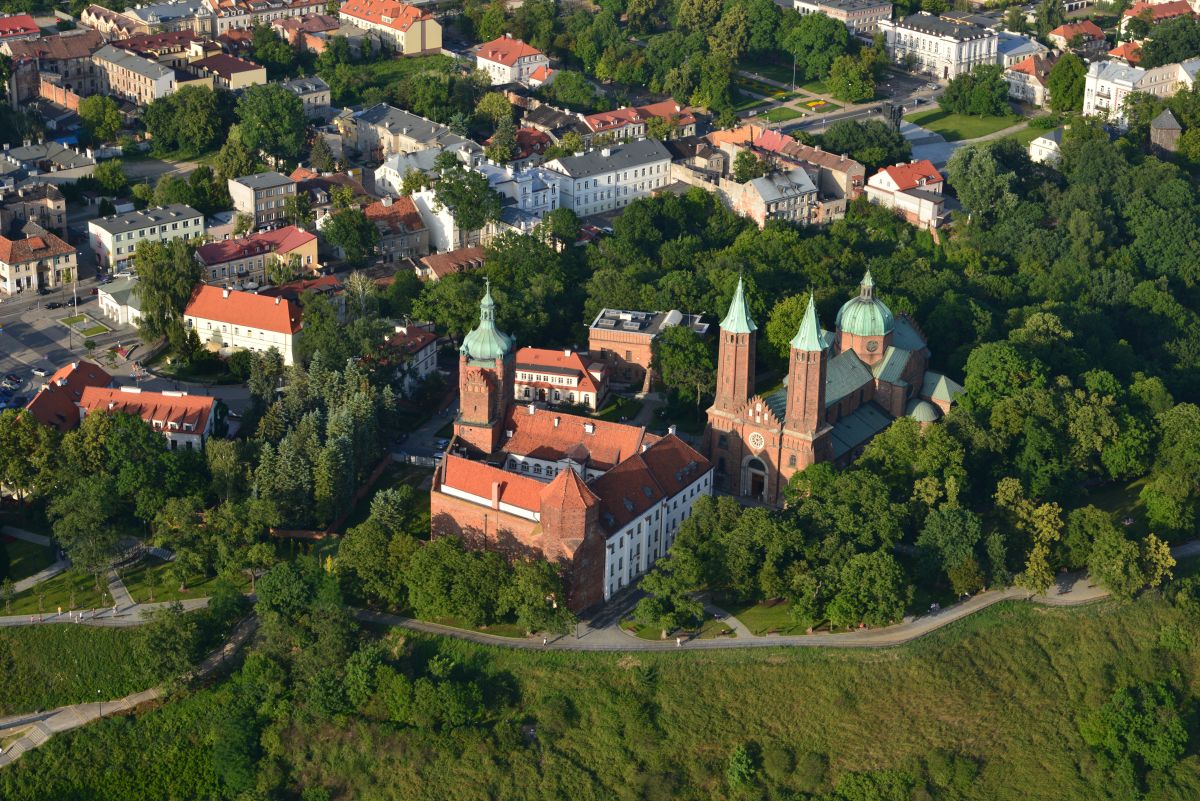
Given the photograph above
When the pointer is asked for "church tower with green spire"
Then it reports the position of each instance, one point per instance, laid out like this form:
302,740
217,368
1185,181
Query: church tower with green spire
485,380
735,368
805,438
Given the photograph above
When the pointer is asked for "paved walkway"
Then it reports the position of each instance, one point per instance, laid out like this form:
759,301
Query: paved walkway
117,591
134,615
42,575
41,726
22,534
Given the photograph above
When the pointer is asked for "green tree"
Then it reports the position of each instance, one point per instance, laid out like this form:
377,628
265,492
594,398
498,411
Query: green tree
502,147
741,770
816,41
872,589
493,108
1137,730
297,210
321,157
684,363
272,120
351,232
472,202
101,118
189,121
784,322
167,276
748,166
534,596
1065,83
235,159
1114,562
850,79
110,175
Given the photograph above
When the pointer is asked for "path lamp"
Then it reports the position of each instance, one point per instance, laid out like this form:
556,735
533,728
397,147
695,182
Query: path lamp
99,703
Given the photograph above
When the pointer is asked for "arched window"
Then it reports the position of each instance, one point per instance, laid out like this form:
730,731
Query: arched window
792,460
527,393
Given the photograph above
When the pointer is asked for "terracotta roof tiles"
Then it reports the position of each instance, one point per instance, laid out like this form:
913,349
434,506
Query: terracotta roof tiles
507,51
244,309
479,479
55,403
188,413
550,435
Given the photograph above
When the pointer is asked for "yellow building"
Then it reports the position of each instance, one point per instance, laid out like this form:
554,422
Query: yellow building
411,30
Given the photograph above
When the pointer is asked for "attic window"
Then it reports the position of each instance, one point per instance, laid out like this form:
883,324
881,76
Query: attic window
628,505
647,492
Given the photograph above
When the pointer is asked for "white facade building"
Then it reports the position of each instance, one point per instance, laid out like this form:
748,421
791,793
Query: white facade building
1109,83
509,60
939,47
228,320
612,177
115,238
860,16
534,190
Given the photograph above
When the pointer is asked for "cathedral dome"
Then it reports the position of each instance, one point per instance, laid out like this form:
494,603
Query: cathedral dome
486,342
922,411
865,315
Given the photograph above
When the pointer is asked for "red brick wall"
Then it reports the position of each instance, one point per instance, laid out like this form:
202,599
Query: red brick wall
735,371
613,345
57,94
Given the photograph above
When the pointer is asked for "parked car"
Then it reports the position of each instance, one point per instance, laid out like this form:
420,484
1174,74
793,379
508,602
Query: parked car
441,444
41,372
54,305
14,378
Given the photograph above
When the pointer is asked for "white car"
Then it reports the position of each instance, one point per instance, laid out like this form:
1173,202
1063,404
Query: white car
40,372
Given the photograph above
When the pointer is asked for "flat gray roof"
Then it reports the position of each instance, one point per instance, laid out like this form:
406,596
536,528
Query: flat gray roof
136,220
646,323
134,63
616,157
264,180
959,31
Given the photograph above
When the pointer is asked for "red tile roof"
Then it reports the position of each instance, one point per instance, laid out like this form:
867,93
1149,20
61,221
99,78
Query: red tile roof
669,109
18,25
54,404
1087,29
783,145
675,464
225,65
43,245
663,470
309,23
153,407
479,479
57,48
531,142
550,435
280,240
1129,51
567,491
399,215
610,120
400,16
1034,66
556,361
542,73
909,176
412,341
294,289
453,261
507,51
157,42
1160,11
245,309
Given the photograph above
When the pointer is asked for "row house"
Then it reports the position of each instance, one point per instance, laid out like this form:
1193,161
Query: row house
262,196
139,80
612,177
35,259
225,16
249,259
631,122
410,30
114,239
68,57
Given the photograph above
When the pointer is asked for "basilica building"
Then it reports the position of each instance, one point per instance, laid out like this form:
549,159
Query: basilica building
843,387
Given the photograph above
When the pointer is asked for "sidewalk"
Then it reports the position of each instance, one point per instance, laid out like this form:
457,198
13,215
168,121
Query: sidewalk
42,575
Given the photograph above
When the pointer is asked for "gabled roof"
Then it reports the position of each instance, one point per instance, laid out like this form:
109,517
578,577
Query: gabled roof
18,25
398,16
939,387
913,174
550,435
479,479
189,413
233,307
674,464
1159,11
57,48
398,215
279,240
507,51
557,361
609,159
453,261
1036,67
413,340
1087,29
38,244
55,403
1165,121
542,73
845,374
1130,52
626,491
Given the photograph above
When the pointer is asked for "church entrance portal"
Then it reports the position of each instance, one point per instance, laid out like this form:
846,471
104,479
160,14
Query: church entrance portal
754,479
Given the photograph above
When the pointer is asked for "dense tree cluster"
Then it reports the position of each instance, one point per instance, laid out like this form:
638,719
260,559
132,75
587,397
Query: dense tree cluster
981,92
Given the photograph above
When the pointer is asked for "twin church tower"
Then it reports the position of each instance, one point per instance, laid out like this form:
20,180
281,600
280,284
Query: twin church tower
843,387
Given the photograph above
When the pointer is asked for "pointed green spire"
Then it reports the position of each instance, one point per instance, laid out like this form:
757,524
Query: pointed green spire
867,287
737,319
808,338
486,342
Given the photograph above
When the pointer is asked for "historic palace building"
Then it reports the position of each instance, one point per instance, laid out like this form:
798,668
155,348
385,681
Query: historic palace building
604,500
843,388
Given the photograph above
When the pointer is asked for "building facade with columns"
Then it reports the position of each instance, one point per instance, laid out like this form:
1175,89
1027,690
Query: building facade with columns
843,387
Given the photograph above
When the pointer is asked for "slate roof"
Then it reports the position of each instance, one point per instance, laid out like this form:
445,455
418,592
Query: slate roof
136,220
134,63
264,180
960,32
892,365
845,374
628,155
783,185
395,120
939,387
121,291
857,428
1166,121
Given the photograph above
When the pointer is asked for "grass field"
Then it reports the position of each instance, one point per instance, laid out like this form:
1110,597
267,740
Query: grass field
70,590
817,87
762,618
1025,136
709,630
782,114
150,581
775,70
955,127
48,666
744,102
25,558
1005,689
627,408
822,107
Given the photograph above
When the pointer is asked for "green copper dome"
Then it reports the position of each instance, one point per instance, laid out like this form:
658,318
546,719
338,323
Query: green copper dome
922,411
865,315
487,342
737,319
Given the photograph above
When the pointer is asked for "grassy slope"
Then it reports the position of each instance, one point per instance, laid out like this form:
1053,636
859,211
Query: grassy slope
955,127
1005,687
48,666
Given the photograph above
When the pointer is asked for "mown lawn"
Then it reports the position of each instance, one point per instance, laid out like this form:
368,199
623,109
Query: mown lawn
25,558
151,581
620,408
69,590
955,127
1025,136
48,666
782,114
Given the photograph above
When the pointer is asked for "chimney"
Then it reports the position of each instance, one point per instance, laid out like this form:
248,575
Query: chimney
606,152
495,494
387,202
556,420
224,293
277,299
532,410
671,429
567,352
589,428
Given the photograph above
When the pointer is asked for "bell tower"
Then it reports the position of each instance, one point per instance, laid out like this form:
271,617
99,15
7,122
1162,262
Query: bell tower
805,431
485,380
735,360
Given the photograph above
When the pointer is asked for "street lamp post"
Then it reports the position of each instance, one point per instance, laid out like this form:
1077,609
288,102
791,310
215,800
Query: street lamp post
99,703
